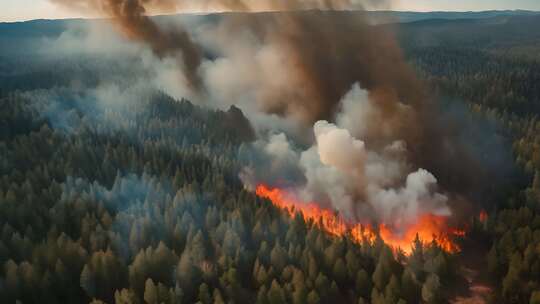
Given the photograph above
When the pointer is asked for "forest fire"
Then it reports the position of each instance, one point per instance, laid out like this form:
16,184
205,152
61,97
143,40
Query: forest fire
429,228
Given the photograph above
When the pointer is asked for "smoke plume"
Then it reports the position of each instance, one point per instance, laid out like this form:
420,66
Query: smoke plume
380,148
132,19
345,174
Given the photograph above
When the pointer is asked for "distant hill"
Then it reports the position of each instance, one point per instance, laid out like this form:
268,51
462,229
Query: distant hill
491,32
416,28
397,16
45,26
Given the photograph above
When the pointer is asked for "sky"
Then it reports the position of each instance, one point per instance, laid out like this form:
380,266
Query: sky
20,10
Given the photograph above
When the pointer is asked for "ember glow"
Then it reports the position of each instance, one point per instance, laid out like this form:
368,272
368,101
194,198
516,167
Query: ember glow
483,217
429,228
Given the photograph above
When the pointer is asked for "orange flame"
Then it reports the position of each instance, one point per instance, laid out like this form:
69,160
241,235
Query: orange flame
483,217
429,228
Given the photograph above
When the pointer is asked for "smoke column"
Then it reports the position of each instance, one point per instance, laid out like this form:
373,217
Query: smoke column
131,18
324,54
316,60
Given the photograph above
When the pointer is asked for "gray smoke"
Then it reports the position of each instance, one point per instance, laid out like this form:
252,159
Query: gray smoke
338,84
344,173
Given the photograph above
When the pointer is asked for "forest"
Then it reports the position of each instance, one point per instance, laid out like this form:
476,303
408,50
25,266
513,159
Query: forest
117,195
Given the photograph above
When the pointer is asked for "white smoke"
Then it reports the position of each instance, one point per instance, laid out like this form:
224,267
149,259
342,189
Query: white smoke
341,169
274,159
337,148
418,196
364,119
253,75
360,182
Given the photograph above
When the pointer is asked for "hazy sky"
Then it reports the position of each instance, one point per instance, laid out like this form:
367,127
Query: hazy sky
15,10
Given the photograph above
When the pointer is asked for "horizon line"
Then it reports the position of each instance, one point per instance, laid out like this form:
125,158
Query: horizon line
277,11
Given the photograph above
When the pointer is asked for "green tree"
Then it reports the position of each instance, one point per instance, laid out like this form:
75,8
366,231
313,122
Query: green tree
381,275
493,261
535,298
511,286
431,290
87,281
204,294
409,287
278,257
313,298
363,283
150,292
218,298
125,296
393,290
276,295
340,271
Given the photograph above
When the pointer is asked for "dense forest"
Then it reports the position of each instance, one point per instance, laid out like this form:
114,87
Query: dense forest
493,66
148,207
140,201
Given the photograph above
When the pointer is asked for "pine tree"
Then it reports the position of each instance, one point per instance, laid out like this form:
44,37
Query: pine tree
535,298
313,298
363,283
276,295
204,294
493,261
431,290
381,275
409,288
340,271
150,292
125,296
393,290
87,281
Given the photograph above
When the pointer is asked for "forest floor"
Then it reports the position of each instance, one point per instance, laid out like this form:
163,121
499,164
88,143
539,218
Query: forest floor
477,288
478,291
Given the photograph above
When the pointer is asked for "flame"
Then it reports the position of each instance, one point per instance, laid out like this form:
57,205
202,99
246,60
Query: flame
483,217
325,218
429,227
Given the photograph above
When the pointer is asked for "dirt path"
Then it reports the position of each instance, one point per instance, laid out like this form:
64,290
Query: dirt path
478,292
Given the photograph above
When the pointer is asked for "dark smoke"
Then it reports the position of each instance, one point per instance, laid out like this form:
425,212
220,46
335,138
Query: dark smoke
332,53
328,54
132,19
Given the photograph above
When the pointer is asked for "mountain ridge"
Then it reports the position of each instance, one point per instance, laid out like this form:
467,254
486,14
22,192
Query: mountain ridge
388,16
